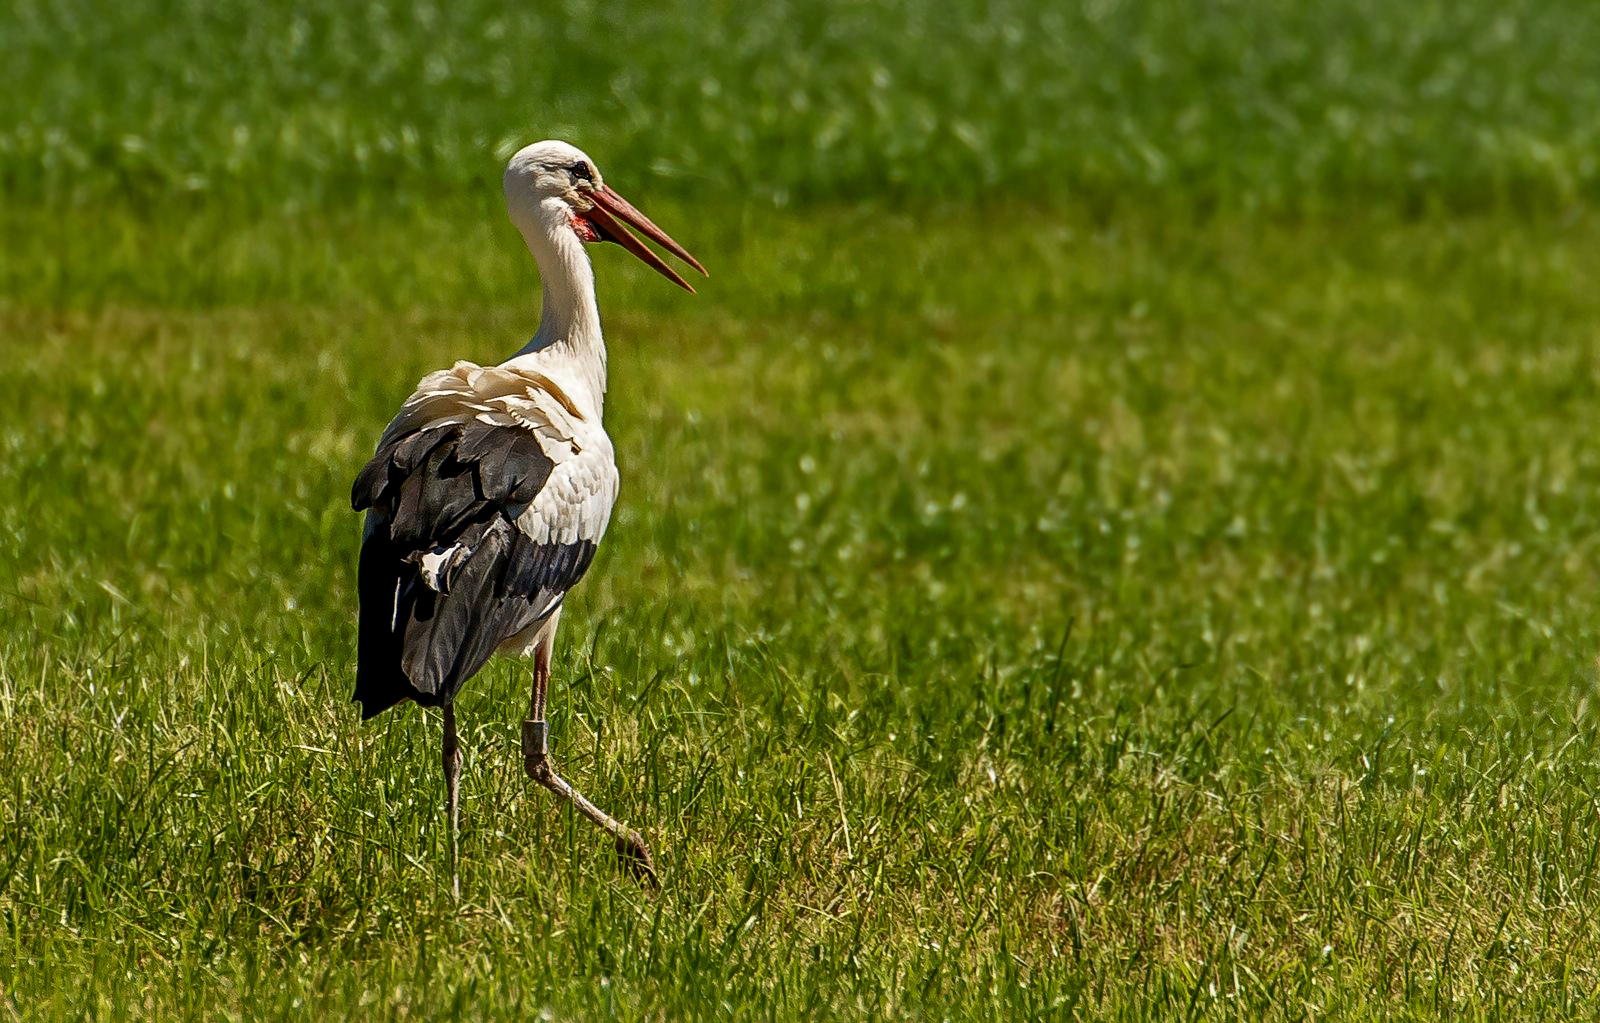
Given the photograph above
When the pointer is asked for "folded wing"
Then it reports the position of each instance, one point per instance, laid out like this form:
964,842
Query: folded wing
485,502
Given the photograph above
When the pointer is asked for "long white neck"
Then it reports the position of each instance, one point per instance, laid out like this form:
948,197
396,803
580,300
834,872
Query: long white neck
569,332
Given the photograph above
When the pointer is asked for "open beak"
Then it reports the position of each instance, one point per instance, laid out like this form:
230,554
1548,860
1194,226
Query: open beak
611,211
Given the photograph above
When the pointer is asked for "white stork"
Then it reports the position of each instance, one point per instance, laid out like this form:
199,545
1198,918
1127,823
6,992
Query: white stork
492,486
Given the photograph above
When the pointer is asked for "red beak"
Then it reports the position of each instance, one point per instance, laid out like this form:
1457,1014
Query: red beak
611,211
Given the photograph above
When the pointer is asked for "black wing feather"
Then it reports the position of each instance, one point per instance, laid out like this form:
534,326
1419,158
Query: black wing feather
544,568
454,488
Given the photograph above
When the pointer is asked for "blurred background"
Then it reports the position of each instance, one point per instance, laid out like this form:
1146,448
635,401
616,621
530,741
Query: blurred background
1236,102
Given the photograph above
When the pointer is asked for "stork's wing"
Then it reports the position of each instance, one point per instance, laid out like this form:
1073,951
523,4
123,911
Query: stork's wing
485,501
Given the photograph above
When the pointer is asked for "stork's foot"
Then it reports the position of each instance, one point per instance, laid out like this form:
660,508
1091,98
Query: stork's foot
636,859
634,853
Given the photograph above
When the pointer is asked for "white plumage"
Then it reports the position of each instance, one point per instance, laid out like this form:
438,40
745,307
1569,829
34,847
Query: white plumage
528,393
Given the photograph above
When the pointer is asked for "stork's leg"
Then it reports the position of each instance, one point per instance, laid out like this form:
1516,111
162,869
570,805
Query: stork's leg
451,756
536,760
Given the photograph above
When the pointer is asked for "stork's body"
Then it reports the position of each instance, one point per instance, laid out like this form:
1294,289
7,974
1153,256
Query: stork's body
492,487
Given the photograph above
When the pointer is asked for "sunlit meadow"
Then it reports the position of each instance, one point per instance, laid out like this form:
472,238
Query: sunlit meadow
1116,537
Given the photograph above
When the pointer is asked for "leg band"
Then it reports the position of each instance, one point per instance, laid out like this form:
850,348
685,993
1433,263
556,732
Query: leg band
535,738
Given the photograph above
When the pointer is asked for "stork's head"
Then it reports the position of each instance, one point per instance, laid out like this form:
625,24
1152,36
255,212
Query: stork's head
552,187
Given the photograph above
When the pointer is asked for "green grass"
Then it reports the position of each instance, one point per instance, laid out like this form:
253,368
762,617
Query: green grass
1281,103
1170,618
1115,538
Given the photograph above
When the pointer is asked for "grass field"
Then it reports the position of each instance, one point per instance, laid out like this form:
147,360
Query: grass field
1094,594
1254,103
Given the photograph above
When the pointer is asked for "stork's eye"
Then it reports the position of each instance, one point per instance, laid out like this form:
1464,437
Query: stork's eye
581,170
